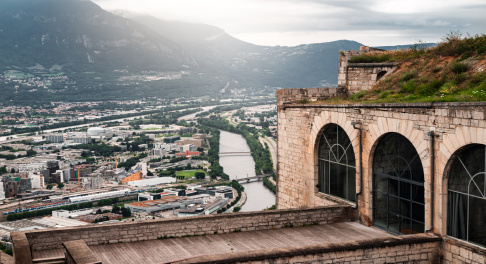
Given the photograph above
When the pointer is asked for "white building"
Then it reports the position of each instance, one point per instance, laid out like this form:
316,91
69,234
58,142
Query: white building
54,138
72,214
2,192
37,180
154,181
189,147
96,132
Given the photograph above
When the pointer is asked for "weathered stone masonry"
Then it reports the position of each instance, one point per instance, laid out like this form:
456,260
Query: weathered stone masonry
300,125
25,242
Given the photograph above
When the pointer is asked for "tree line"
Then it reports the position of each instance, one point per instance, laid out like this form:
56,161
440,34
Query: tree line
261,154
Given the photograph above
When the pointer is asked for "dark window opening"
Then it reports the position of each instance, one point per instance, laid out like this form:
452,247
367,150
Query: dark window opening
398,186
337,164
466,196
380,75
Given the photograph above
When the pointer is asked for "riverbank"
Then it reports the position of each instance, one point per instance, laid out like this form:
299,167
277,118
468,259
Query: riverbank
258,197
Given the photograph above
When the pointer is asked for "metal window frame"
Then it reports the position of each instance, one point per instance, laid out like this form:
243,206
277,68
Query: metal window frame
468,195
399,180
324,163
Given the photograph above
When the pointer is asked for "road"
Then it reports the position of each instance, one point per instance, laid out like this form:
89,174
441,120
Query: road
16,137
272,145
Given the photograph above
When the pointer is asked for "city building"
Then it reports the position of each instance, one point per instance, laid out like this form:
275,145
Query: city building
54,138
72,214
134,174
37,180
152,182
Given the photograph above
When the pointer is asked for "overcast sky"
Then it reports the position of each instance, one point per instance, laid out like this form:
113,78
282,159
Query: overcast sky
294,22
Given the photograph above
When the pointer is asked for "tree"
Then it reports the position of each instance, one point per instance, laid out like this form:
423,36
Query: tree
49,186
60,185
12,170
126,212
200,175
116,209
149,173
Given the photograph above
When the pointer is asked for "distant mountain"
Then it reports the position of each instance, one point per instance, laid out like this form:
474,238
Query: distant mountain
300,66
73,50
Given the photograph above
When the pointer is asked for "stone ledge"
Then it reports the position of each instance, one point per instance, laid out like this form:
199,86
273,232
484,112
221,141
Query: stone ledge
390,105
150,230
334,199
463,244
188,220
261,255
370,64
77,252
21,248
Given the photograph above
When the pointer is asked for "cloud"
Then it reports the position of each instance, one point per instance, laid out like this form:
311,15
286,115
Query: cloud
293,22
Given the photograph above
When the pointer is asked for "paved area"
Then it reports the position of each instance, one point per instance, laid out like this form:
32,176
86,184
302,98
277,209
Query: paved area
166,250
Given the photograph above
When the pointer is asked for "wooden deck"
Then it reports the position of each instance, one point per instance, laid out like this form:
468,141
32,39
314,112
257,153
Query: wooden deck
166,250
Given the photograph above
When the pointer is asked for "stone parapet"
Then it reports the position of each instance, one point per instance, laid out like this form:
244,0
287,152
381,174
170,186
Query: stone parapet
455,125
191,226
457,251
77,252
302,95
420,248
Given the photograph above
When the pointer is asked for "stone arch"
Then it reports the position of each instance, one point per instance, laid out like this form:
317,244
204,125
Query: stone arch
398,185
318,125
452,144
465,174
375,132
336,163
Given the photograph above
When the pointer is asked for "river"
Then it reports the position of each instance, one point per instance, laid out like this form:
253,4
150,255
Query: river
258,196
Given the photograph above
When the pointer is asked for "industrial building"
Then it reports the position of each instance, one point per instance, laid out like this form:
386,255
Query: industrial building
72,214
153,181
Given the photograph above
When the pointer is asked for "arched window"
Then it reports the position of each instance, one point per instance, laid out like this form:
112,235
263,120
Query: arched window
337,164
466,196
398,186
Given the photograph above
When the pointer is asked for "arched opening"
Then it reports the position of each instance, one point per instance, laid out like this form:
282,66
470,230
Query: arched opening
336,164
466,195
398,186
380,75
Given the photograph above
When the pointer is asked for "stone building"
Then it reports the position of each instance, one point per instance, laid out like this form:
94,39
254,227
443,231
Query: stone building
407,168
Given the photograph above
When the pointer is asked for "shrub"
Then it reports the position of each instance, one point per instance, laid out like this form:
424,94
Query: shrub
459,67
408,76
385,94
429,88
459,78
357,96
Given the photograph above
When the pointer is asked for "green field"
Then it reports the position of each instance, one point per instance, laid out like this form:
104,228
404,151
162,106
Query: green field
188,173
18,75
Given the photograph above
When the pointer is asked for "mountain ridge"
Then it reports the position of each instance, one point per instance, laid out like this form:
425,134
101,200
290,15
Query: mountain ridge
74,50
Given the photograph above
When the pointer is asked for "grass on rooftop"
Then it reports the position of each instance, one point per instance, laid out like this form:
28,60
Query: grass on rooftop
453,71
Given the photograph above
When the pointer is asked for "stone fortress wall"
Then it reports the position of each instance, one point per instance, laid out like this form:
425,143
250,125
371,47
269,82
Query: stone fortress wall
450,126
355,77
300,126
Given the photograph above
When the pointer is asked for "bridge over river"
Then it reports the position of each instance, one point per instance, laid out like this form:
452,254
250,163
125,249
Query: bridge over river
241,153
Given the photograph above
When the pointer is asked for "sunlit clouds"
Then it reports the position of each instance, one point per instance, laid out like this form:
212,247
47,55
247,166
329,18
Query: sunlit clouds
294,22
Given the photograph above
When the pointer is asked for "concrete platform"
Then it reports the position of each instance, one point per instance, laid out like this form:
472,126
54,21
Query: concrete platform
167,250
